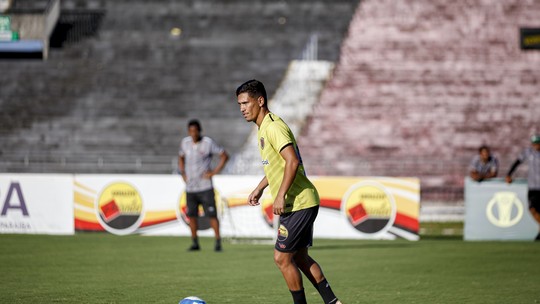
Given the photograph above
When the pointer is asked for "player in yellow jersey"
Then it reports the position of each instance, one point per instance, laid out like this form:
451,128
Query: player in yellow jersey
296,200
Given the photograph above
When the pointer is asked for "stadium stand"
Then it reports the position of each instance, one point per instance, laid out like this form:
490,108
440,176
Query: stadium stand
420,85
123,77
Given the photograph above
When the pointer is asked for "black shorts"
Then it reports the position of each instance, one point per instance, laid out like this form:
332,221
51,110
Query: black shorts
534,199
296,229
204,198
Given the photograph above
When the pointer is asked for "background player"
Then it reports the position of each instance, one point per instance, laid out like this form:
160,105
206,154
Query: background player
194,162
531,155
484,165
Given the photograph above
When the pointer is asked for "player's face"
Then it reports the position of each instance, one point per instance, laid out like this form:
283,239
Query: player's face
194,132
249,107
484,154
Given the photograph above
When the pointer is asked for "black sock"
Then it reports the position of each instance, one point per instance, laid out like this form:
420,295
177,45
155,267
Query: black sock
326,292
299,297
315,285
195,241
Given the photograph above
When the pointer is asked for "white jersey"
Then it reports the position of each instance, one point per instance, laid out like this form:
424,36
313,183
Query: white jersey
198,159
532,158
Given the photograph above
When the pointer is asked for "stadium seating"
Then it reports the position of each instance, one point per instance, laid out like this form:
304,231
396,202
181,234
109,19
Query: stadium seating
119,86
417,88
420,85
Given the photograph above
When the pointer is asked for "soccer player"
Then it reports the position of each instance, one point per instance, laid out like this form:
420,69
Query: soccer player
532,156
296,200
194,162
484,165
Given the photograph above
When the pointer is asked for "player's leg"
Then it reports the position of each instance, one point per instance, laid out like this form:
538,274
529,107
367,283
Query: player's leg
534,207
289,233
192,213
291,274
535,214
308,266
214,223
210,210
193,226
314,273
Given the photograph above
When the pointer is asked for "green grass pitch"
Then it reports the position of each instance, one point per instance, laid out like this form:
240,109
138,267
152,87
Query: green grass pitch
103,268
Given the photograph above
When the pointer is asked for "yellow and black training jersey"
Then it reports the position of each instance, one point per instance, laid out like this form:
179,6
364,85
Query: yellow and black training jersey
274,135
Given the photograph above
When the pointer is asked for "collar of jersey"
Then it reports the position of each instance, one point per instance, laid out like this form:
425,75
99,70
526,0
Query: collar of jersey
268,119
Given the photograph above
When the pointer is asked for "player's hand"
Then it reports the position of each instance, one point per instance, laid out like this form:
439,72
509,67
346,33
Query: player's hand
253,198
208,174
279,206
509,179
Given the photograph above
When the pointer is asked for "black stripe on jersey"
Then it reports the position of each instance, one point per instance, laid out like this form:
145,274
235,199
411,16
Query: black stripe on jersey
285,146
271,117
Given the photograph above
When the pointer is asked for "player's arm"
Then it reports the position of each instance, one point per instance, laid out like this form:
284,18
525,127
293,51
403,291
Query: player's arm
182,166
223,158
253,199
512,169
291,166
475,175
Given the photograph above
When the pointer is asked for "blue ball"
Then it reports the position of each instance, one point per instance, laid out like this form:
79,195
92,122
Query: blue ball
192,300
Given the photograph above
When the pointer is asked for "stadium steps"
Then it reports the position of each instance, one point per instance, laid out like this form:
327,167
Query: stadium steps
120,84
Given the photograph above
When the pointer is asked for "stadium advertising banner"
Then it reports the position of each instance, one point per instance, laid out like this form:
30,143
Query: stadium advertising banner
36,204
357,208
368,207
495,210
530,38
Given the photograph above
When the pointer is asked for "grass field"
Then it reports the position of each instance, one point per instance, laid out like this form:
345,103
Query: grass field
103,268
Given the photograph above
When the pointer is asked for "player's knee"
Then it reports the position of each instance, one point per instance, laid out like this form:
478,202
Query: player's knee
282,259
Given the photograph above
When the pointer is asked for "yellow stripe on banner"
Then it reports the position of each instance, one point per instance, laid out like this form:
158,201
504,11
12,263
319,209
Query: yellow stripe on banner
407,206
83,200
237,201
405,184
84,187
152,216
334,187
85,216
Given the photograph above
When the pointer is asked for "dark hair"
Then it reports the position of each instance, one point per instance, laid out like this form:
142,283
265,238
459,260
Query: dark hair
196,123
254,88
483,147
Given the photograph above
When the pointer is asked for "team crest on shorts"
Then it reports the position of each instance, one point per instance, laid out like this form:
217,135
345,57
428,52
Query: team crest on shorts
283,233
262,143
